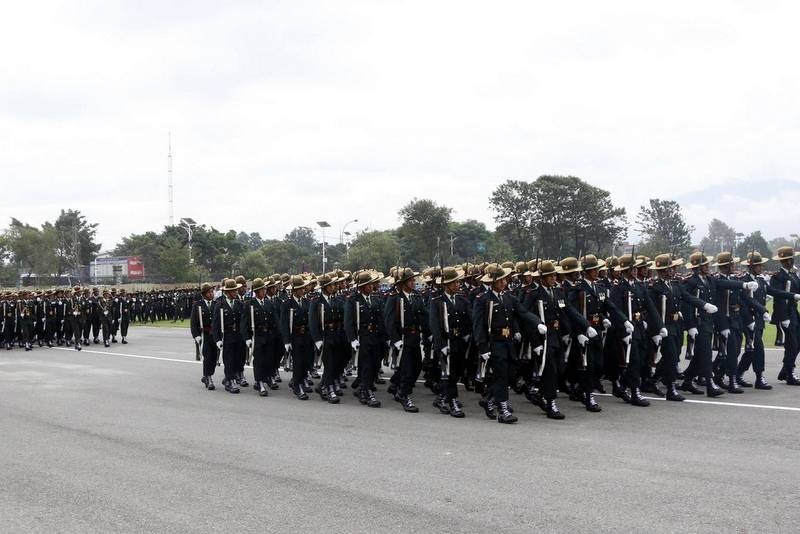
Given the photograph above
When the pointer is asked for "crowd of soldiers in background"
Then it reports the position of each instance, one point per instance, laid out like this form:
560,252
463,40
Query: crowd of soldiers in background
537,328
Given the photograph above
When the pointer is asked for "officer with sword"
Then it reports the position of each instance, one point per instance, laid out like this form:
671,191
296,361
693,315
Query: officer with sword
200,326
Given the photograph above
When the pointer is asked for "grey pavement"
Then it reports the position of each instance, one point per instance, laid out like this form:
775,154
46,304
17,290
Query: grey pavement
126,439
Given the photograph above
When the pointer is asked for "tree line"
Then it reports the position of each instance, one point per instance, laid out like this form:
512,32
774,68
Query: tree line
549,217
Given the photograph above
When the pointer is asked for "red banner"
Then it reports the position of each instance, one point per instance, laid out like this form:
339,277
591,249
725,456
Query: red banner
135,268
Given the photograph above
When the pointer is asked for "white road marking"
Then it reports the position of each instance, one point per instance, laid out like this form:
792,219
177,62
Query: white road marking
691,401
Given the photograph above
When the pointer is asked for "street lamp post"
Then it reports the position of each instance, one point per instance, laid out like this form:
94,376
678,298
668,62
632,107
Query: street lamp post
187,223
342,232
323,225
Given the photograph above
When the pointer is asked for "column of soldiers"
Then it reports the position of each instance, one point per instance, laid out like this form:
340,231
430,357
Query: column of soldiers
72,317
536,328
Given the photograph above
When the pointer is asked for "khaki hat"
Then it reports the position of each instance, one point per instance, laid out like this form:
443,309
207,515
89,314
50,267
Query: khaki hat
258,283
696,259
546,267
784,253
450,274
325,280
724,258
365,278
404,274
241,280
590,261
569,265
612,261
203,288
430,275
520,267
754,258
230,285
665,261
298,282
624,263
494,272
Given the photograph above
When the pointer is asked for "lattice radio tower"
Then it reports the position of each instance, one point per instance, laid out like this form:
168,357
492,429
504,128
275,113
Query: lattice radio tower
169,180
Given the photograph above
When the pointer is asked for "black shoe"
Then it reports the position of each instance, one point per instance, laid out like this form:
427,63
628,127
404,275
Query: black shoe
371,401
243,382
503,415
441,403
77,346
49,345
333,398
489,408
106,343
621,393
713,391
299,392
673,395
637,399
456,410
782,374
792,380
537,400
114,339
315,374
591,404
124,341
650,386
210,384
96,341
263,391
552,410
701,381
408,404
231,387
689,387
742,383
761,383
732,387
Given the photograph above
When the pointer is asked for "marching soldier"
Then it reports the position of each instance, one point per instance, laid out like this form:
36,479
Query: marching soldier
122,317
497,319
451,327
200,324
296,336
785,312
366,333
755,317
404,315
227,314
104,309
259,327
325,323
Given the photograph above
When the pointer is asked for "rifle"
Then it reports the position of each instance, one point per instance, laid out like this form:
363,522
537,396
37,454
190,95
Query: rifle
199,346
222,330
544,344
318,353
446,325
253,336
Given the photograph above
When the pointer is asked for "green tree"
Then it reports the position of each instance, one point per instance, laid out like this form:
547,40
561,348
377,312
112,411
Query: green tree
174,261
721,237
75,244
282,256
32,250
663,227
754,241
424,223
253,264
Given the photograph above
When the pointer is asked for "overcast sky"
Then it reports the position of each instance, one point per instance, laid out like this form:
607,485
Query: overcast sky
285,113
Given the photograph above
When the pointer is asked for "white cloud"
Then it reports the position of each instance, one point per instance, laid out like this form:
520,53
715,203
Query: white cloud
284,113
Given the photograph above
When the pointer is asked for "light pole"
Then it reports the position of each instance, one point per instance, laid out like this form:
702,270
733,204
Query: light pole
342,232
323,225
187,223
452,240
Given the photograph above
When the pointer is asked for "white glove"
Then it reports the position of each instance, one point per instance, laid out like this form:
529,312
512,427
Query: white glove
542,328
663,332
485,356
398,344
785,323
627,339
565,340
797,296
355,344
198,339
249,343
538,350
751,326
767,317
628,327
710,308
644,323
445,350
606,323
692,332
517,337
288,347
680,315
750,286
430,338
726,332
656,339
318,344
591,333
219,345
466,338
582,340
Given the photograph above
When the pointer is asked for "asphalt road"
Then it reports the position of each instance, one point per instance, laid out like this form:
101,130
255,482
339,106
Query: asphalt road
127,439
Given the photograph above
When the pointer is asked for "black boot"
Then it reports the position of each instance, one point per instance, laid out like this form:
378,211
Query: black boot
333,398
761,383
441,403
503,415
637,399
231,387
456,410
552,410
673,395
263,390
372,402
408,404
651,386
591,404
298,391
489,408
618,391
732,387
210,384
741,382
689,387
712,390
